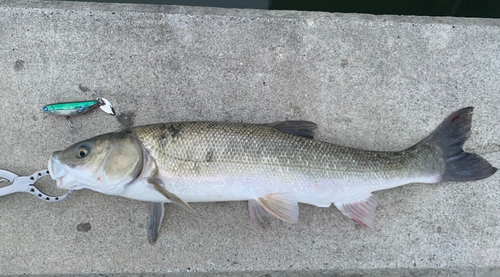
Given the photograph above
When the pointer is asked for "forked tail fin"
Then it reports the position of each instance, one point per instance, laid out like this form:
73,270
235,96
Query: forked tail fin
450,137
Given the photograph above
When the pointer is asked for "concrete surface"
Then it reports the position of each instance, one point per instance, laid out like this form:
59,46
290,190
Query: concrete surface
375,82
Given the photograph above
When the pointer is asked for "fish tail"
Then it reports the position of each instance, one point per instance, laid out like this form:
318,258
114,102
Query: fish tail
450,137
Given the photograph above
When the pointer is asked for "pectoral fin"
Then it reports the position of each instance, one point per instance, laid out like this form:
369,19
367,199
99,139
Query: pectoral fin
156,212
361,211
282,205
157,184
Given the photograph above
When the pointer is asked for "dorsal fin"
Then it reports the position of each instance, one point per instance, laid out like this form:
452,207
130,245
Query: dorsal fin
299,128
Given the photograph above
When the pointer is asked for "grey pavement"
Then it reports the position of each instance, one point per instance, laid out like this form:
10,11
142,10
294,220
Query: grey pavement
373,82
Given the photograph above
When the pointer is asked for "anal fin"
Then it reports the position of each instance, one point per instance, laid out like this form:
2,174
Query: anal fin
156,212
157,184
281,205
361,211
258,215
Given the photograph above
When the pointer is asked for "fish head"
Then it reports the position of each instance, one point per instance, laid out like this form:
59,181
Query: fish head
105,163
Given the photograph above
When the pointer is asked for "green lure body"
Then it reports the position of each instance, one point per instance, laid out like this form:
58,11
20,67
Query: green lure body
71,108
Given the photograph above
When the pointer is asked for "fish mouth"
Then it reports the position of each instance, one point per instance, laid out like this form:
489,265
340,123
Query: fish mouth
61,175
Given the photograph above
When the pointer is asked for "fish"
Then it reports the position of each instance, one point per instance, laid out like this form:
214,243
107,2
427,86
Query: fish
273,166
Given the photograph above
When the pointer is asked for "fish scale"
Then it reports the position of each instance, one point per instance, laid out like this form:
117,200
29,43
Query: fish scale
251,151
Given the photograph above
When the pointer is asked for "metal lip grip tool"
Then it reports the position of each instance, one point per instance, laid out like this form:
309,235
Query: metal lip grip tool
27,184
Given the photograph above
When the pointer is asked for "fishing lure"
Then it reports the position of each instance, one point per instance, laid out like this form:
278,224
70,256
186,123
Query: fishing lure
68,109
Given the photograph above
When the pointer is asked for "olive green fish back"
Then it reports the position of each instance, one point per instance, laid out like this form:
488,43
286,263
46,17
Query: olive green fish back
258,148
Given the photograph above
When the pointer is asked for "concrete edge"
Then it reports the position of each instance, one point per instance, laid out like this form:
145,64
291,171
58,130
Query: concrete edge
396,272
250,14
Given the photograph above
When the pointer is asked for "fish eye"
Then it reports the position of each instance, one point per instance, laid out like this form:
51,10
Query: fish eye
82,151
46,109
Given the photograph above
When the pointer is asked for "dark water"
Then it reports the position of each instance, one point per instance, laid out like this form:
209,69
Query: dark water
458,8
